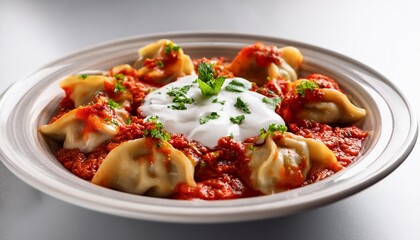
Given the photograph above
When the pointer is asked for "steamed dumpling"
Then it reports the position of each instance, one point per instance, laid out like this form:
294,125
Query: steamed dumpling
142,167
333,108
258,63
84,90
284,164
82,133
162,62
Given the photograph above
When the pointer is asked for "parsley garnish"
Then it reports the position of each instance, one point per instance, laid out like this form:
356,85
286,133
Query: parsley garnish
241,105
128,121
171,47
83,76
272,102
180,97
236,86
112,104
238,119
115,123
119,77
205,119
217,101
305,85
119,87
160,64
158,131
252,148
203,164
272,128
206,82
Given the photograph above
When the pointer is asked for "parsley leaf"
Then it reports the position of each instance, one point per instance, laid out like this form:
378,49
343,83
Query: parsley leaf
217,101
305,85
171,47
160,64
119,77
158,131
241,105
238,119
206,82
112,104
180,98
205,119
119,87
272,102
272,128
83,76
236,86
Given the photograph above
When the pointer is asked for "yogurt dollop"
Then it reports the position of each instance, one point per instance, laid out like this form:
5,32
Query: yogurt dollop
260,115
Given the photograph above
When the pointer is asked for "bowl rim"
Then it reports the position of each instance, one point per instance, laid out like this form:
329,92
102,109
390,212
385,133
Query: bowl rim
195,212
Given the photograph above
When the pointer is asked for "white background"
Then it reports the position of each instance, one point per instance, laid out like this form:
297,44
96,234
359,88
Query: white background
385,35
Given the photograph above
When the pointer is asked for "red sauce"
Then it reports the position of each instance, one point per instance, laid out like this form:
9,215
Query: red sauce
221,172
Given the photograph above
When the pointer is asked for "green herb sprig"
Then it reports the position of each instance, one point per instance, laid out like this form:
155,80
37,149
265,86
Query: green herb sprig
305,85
211,116
241,105
272,129
208,85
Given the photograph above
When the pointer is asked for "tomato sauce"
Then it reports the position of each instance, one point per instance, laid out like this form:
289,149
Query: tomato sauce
221,172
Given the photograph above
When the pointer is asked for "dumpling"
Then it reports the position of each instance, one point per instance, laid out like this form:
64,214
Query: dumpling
83,129
162,62
83,89
323,105
258,62
142,167
334,108
284,164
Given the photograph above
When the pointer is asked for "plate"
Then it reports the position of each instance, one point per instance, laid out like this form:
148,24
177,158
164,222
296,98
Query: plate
31,101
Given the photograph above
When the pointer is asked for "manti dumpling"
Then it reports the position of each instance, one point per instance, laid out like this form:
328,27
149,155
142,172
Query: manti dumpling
82,129
143,167
284,164
162,62
259,63
333,108
82,90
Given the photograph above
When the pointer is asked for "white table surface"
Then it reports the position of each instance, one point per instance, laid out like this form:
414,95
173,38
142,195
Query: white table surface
382,34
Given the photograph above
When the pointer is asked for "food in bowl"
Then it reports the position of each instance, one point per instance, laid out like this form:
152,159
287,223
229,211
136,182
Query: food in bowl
212,129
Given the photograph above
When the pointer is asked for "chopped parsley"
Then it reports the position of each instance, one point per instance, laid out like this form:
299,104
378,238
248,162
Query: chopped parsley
119,77
158,131
171,47
272,102
236,86
211,116
217,101
305,85
180,98
119,87
238,119
203,164
83,76
272,128
208,85
160,64
128,121
115,123
251,147
112,104
241,105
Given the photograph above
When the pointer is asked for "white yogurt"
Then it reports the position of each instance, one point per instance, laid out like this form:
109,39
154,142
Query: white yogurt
187,122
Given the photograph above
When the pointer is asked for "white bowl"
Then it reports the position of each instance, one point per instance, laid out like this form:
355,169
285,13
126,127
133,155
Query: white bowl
31,101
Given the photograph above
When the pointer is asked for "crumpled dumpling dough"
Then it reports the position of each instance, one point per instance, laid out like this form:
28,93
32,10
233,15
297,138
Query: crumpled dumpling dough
170,71
279,166
82,91
334,108
71,129
141,167
285,63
